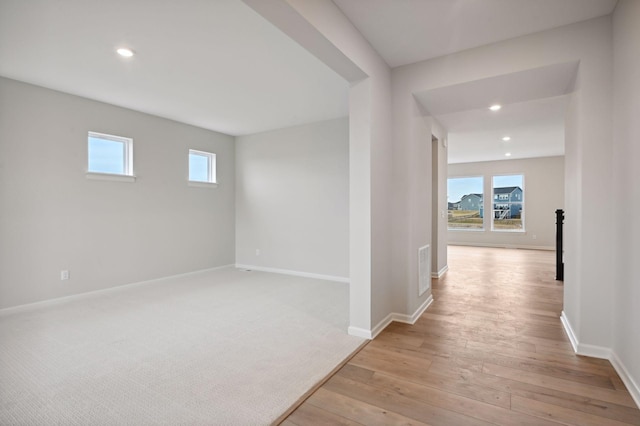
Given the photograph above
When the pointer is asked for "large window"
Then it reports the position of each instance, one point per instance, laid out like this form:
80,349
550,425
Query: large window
508,203
110,154
465,199
202,166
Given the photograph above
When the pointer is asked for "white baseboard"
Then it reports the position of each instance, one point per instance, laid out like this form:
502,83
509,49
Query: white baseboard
594,351
632,385
382,325
411,319
570,333
404,318
359,332
509,246
604,353
49,302
440,273
296,273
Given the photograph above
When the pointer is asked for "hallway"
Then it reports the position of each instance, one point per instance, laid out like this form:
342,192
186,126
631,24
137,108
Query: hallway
489,350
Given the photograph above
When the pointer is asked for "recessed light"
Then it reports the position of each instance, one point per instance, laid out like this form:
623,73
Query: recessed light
495,107
125,52
507,154
506,138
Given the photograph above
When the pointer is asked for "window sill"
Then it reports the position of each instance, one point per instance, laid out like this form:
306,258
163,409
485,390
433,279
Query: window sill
466,229
196,184
111,177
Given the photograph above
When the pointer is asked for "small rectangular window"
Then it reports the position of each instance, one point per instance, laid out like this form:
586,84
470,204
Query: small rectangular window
202,166
110,154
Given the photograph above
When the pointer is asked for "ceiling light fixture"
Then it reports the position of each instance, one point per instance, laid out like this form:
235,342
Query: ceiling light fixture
495,107
125,52
506,138
507,154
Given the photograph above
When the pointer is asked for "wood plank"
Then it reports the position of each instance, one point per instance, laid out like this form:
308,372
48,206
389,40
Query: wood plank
490,349
359,411
559,414
354,372
614,396
407,407
468,406
589,364
308,414
426,378
551,396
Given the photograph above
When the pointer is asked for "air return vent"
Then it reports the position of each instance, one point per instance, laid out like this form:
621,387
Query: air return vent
424,269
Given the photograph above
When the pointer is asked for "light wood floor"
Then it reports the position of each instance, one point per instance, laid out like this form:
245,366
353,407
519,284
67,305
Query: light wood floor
489,350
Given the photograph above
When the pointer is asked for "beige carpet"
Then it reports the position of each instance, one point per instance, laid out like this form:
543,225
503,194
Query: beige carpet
224,347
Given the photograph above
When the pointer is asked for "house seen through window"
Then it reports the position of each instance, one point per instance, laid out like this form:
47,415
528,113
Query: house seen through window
508,207
465,203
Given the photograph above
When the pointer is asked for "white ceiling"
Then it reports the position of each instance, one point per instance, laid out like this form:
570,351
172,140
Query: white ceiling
533,107
408,31
536,129
215,64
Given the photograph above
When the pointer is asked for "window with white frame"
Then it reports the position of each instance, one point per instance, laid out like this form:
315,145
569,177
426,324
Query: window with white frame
202,166
508,207
465,203
110,154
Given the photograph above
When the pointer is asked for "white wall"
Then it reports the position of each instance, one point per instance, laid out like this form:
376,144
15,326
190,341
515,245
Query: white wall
626,134
292,198
544,193
322,28
106,233
439,263
370,169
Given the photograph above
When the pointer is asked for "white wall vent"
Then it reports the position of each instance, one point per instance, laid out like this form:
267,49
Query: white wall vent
424,269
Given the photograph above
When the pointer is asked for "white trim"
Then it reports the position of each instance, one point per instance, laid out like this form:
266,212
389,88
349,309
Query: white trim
594,351
197,184
127,159
411,319
510,246
403,318
603,353
296,273
79,296
441,272
359,332
570,333
211,165
110,176
422,289
382,325
632,386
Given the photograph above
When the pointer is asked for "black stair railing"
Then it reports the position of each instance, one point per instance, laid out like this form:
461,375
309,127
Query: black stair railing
559,252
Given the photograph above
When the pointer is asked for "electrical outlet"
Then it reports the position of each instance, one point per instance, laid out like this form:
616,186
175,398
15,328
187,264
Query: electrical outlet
64,275
257,252
535,237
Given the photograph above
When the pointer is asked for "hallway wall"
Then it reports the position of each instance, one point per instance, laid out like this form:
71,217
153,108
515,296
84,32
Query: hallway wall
626,137
588,167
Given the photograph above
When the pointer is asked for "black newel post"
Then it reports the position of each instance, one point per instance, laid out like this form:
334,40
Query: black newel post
559,259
